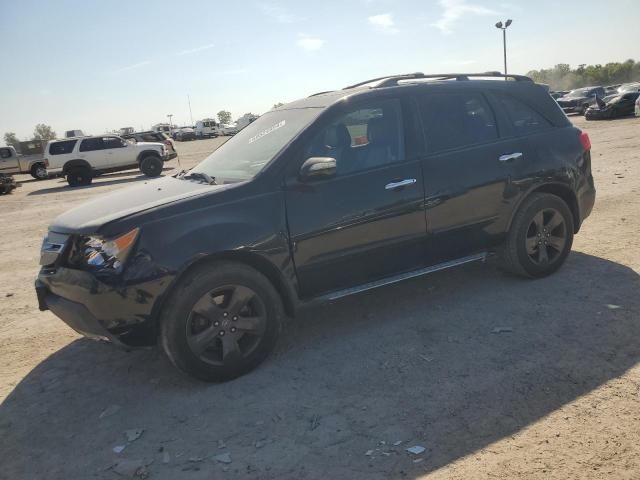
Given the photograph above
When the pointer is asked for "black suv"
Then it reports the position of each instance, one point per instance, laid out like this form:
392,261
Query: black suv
325,197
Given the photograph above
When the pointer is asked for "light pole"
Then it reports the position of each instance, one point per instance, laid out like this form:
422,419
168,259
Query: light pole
504,40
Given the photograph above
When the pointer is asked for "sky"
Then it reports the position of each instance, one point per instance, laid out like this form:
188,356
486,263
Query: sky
98,66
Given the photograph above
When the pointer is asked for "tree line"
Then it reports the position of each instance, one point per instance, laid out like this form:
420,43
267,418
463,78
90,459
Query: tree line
40,132
563,77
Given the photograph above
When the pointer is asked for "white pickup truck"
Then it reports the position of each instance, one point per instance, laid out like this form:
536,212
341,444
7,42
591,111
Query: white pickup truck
12,162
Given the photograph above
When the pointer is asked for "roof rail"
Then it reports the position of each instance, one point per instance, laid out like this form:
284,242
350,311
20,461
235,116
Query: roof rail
394,80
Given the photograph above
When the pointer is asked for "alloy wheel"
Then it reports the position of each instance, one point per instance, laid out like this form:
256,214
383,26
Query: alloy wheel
546,237
226,325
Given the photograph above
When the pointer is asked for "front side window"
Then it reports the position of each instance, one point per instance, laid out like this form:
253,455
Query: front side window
361,139
91,144
112,142
61,148
5,153
248,152
456,120
523,118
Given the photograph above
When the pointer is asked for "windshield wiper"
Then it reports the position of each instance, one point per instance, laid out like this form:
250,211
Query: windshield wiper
199,176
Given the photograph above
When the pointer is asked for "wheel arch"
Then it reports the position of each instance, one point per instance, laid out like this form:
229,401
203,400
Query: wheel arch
265,267
78,162
559,190
146,153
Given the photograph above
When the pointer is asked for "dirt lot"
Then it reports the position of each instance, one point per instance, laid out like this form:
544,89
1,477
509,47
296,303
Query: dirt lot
416,363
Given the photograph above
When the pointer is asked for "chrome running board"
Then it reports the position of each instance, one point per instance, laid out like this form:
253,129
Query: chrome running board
401,277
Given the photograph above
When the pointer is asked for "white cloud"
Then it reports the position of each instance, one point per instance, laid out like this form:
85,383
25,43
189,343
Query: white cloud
310,43
278,13
197,49
455,9
384,23
131,67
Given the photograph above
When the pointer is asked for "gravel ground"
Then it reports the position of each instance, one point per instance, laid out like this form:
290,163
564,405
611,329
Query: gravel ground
355,383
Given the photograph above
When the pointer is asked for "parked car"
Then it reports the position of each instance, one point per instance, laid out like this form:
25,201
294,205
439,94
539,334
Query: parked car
31,161
629,87
154,137
558,94
228,129
185,134
162,127
618,106
579,100
294,211
80,159
207,128
637,109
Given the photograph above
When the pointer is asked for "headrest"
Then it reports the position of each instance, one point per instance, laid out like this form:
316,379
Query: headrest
338,136
378,130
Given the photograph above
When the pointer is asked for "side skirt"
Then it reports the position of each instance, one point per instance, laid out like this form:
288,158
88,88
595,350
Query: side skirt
397,278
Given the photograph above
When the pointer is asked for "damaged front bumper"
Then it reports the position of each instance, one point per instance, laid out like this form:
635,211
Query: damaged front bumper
119,313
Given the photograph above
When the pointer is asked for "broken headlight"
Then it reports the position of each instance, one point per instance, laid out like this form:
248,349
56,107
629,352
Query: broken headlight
107,254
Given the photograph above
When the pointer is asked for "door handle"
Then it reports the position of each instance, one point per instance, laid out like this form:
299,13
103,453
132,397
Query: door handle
510,156
400,183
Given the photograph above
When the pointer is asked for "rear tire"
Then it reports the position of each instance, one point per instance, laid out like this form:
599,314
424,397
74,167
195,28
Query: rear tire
221,321
151,166
540,237
39,171
79,176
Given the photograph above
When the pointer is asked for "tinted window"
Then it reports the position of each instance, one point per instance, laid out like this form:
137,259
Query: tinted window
91,144
524,119
5,153
454,120
361,139
111,142
60,148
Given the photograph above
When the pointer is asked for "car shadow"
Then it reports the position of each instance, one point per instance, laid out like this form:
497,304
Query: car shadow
452,362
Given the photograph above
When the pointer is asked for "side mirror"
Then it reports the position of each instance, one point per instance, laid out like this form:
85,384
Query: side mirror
317,168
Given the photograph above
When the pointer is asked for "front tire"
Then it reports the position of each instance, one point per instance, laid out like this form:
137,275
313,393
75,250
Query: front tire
39,171
222,321
540,237
79,176
151,166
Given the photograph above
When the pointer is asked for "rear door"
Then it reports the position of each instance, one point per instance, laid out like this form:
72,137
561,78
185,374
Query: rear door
468,167
117,151
367,222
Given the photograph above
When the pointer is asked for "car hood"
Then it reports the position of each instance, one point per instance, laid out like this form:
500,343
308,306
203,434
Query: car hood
89,217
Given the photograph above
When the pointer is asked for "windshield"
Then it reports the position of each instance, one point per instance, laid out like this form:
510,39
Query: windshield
247,153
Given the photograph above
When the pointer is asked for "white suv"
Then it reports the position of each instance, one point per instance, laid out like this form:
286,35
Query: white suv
80,159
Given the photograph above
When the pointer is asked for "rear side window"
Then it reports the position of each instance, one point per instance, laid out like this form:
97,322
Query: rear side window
455,120
61,148
91,144
525,120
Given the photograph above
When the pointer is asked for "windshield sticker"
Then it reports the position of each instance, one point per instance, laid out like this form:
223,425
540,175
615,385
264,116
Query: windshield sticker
267,131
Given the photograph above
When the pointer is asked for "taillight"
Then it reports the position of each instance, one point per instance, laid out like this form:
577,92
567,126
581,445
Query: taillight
585,141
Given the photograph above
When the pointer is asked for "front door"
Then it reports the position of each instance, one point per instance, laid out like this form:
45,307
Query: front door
367,222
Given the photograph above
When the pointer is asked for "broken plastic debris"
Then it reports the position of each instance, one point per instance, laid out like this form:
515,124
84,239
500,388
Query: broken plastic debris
223,458
133,434
418,460
502,330
368,453
399,442
110,410
416,450
119,448
611,306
